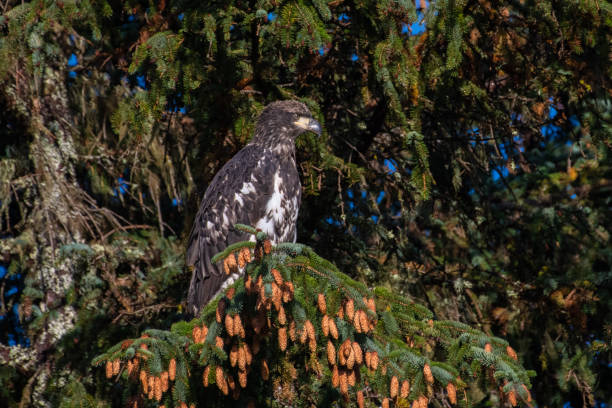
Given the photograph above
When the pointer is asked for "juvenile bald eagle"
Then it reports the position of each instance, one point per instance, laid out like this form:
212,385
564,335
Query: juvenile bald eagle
259,186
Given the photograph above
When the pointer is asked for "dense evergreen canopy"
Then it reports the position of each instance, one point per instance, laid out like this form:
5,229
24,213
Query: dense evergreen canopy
463,178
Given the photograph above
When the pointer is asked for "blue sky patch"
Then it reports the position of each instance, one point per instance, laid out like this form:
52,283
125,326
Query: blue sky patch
416,28
72,60
141,81
498,172
122,187
331,221
391,166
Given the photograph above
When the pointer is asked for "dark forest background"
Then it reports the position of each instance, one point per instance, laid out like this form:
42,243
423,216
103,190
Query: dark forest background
465,164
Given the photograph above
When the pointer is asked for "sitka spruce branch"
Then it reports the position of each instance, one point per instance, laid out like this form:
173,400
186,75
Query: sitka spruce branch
294,315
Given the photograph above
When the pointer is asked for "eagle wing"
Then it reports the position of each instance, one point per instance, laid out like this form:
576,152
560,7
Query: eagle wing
238,193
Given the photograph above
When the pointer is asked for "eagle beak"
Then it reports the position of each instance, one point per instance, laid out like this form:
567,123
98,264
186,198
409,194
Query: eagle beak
308,124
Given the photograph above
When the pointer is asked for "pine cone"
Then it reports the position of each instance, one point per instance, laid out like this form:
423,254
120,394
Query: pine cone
511,353
360,401
246,254
512,398
333,330
164,381
303,334
325,325
248,284
242,378
230,293
241,260
394,387
238,327
371,305
282,338
292,331
220,313
310,330
352,377
427,374
363,321
277,296
374,360
335,377
172,369
331,353
233,355
242,361
343,382
219,342
282,318
196,333
451,390
109,369
226,267
288,290
312,345
278,278
158,389
151,393
220,379
321,303
341,354
229,325
527,391
231,264
349,308
385,403
144,381
350,360
488,348
357,322
405,389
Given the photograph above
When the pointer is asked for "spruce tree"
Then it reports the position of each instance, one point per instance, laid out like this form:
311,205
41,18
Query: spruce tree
464,169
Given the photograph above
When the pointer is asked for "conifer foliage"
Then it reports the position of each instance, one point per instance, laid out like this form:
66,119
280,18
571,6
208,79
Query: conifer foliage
297,328
465,164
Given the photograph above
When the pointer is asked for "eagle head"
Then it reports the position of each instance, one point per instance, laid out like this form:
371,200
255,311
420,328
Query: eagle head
282,121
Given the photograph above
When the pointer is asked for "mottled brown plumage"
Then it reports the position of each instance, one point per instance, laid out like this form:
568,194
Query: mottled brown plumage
259,186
